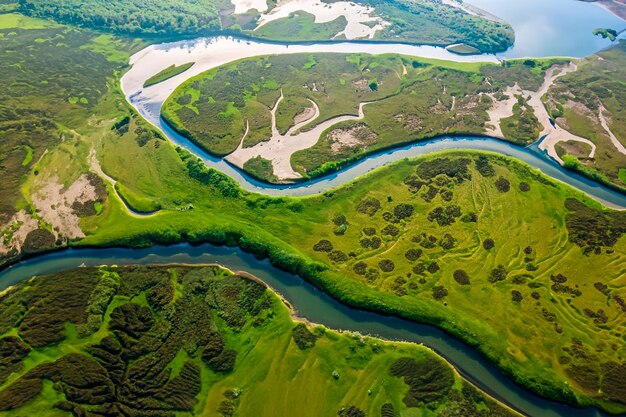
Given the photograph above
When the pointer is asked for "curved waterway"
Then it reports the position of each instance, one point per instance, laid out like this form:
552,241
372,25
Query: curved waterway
312,304
209,53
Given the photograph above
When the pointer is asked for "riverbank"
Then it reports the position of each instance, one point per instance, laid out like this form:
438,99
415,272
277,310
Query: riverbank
312,304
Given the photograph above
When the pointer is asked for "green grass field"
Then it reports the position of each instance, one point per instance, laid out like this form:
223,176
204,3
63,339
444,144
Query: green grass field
410,99
201,341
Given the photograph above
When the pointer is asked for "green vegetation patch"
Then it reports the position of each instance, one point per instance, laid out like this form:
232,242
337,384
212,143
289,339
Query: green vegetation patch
610,34
409,99
167,73
178,340
597,86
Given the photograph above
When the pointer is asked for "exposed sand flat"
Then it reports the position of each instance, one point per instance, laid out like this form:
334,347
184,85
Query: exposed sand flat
280,148
501,110
54,204
362,23
22,223
605,125
554,133
308,114
243,6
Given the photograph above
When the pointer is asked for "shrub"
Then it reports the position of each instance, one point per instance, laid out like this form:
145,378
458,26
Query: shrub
372,274
340,219
38,240
524,187
592,229
528,250
369,231
429,379
387,410
386,265
390,230
503,185
439,292
461,277
338,256
323,246
303,337
360,268
445,216
413,254
419,269
454,168
484,167
489,244
433,267
403,211
497,274
516,296
447,242
368,206
353,411
470,218
223,363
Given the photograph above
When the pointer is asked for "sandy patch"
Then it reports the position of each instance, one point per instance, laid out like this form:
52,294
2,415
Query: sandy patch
351,137
604,122
19,226
552,133
305,116
411,122
243,6
54,202
279,148
362,24
501,110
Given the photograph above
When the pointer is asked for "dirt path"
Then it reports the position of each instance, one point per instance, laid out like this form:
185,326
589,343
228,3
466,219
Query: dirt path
605,125
280,148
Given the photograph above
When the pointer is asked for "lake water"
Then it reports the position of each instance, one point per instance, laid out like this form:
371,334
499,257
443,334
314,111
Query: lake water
553,27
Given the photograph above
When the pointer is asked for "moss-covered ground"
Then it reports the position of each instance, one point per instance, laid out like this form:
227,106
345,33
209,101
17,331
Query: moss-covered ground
165,341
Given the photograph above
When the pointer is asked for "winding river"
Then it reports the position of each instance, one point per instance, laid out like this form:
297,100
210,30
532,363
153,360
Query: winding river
312,304
209,53
309,302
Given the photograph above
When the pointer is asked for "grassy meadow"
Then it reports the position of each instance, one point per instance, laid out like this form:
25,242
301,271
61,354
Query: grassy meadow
528,271
201,341
596,85
410,99
423,244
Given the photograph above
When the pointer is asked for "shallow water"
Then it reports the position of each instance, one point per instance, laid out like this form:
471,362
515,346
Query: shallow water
553,27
